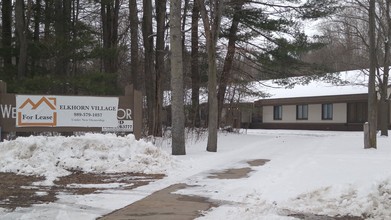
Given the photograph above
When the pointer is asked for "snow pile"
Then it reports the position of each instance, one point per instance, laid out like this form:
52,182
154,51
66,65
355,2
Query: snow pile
53,157
339,201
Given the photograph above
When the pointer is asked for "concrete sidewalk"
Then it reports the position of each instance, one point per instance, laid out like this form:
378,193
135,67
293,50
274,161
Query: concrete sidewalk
163,205
166,205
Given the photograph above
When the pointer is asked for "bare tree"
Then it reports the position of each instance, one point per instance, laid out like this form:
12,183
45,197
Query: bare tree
6,34
195,73
372,99
350,30
150,78
212,29
109,14
62,31
384,35
21,30
184,18
159,66
134,62
229,58
37,22
178,117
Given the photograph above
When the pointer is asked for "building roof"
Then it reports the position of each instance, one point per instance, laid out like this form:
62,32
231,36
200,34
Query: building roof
362,97
355,82
350,83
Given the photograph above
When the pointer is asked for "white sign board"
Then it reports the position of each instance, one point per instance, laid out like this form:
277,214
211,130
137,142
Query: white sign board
66,111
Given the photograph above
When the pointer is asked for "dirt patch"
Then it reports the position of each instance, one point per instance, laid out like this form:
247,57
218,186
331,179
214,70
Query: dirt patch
239,172
258,162
20,190
163,205
323,217
231,173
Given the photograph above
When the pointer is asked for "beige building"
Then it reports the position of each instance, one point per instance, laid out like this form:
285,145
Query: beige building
337,112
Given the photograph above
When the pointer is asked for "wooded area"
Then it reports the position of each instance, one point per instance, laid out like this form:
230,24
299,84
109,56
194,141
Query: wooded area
81,47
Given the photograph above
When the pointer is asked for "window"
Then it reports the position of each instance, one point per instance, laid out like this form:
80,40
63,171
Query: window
357,112
327,111
302,112
277,112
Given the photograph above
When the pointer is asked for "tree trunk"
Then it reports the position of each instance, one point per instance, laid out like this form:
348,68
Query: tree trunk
150,79
383,89
212,99
372,99
6,34
61,26
48,36
59,33
384,115
114,39
177,110
67,48
37,22
227,68
195,73
109,16
22,38
183,30
134,60
211,33
49,10
160,29
384,103
75,35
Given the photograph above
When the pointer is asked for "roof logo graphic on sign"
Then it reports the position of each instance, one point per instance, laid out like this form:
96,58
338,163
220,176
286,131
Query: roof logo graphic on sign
37,115
36,105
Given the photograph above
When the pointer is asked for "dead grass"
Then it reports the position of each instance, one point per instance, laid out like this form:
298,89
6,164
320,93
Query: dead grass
20,190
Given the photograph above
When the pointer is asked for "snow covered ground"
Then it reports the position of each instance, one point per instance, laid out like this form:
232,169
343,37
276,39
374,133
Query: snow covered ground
319,172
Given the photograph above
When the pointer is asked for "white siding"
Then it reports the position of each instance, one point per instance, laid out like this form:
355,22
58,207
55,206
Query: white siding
288,114
267,116
314,114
